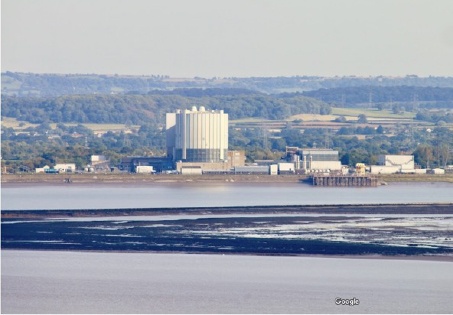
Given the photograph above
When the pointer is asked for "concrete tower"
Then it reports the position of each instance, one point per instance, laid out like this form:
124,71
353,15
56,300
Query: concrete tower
197,135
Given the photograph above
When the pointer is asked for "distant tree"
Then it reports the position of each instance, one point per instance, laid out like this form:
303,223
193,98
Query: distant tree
355,156
380,130
397,109
340,119
423,115
380,106
362,119
345,131
423,155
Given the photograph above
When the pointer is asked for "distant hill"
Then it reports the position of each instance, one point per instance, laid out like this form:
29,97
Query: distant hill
424,97
151,108
31,84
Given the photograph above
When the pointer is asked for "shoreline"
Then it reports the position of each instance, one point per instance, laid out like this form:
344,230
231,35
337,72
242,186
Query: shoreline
145,179
335,209
433,258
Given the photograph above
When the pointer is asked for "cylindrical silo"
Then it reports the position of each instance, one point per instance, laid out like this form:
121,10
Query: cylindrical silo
200,135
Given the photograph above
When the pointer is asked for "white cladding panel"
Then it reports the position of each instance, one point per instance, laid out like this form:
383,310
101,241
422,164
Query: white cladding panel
191,171
382,169
65,167
405,162
273,169
325,165
203,130
144,169
286,167
437,171
198,130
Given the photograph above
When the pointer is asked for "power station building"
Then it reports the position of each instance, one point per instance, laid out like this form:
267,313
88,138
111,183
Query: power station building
197,135
313,160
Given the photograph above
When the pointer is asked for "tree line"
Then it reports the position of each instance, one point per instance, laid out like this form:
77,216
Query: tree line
33,84
42,145
413,96
144,109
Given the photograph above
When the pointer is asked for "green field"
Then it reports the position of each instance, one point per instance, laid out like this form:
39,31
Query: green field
371,113
8,122
21,125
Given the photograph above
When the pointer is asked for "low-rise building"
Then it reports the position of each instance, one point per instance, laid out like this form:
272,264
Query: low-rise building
437,171
236,158
144,169
159,164
404,162
286,168
65,167
253,169
314,160
204,166
95,159
191,170
382,169
42,169
391,164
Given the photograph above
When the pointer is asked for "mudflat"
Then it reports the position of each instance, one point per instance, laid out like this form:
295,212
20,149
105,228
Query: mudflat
390,230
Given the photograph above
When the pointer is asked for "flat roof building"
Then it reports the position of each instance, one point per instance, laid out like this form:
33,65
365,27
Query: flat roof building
314,159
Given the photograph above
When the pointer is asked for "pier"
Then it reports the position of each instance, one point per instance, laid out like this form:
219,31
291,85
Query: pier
344,180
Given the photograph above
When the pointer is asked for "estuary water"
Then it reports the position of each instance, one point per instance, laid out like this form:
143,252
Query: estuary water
161,195
112,282
80,282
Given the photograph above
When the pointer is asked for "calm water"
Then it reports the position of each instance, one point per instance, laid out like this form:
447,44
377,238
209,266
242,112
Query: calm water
73,196
82,282
74,282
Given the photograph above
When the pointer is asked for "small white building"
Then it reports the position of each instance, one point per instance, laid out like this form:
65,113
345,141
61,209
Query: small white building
286,168
191,170
41,169
65,167
95,159
382,169
437,171
273,169
144,169
391,164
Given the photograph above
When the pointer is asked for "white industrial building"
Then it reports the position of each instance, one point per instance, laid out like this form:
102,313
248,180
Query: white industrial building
391,164
197,135
65,167
320,159
314,160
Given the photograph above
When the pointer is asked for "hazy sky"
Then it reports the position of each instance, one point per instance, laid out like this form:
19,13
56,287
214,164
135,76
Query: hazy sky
224,38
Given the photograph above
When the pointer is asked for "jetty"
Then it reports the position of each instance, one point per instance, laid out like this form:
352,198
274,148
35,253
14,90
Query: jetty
344,180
